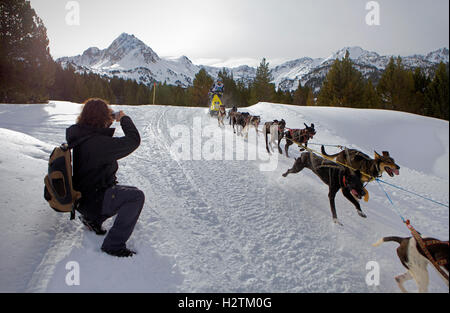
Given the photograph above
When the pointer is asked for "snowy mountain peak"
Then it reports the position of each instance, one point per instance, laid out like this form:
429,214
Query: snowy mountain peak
92,51
355,53
125,36
438,56
126,41
127,44
185,60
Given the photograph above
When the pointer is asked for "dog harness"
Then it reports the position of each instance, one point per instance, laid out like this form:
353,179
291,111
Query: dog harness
302,134
423,245
432,242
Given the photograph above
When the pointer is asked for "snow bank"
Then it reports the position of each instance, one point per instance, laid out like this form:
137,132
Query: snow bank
26,223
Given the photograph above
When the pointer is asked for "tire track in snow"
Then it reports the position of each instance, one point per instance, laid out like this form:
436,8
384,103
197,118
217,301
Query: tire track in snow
182,210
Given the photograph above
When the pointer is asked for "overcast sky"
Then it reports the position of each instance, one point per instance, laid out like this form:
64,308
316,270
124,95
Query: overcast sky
233,32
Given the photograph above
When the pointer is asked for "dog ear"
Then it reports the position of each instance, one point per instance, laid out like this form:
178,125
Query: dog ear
377,155
386,154
312,125
305,125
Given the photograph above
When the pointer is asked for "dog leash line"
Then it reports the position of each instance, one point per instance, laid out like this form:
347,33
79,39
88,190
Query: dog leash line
370,176
392,202
416,235
416,194
326,145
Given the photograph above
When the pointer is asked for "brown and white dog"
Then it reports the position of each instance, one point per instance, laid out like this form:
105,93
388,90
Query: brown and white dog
276,131
414,259
251,121
221,115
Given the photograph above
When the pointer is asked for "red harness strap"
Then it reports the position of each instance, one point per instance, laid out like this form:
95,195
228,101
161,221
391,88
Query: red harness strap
302,134
292,131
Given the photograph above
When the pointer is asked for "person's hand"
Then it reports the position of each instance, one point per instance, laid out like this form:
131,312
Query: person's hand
120,115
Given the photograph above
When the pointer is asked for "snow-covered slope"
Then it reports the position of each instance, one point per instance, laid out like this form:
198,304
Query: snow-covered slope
128,57
224,221
287,75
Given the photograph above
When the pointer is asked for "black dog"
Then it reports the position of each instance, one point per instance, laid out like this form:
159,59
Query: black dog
231,113
336,177
300,136
240,120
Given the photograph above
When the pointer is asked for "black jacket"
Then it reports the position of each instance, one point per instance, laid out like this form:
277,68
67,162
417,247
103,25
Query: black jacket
95,160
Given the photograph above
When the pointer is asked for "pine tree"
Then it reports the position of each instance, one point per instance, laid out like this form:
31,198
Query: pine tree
421,83
200,89
243,94
26,68
262,90
142,96
437,94
310,101
301,95
343,85
179,94
396,87
370,99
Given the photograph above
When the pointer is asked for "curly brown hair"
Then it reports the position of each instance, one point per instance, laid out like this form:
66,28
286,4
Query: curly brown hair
95,113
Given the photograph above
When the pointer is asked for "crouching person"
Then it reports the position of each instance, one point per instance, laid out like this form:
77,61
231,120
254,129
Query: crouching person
94,174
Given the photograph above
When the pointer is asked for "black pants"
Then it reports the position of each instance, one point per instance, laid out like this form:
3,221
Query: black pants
127,203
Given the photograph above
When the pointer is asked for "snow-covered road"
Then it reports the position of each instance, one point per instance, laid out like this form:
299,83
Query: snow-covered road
225,225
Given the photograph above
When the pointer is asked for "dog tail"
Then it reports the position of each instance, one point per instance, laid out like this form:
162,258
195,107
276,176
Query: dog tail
328,155
388,239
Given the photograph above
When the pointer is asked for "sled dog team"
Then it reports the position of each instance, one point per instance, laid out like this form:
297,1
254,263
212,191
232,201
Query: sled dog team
347,171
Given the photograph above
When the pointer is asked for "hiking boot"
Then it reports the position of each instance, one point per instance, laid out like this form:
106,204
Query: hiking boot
121,253
93,226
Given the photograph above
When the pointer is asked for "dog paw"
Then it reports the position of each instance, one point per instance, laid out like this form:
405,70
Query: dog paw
336,221
360,213
285,175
